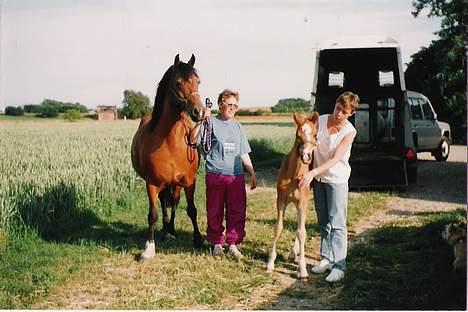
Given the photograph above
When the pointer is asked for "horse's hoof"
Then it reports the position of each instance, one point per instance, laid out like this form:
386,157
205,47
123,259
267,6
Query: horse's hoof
198,242
293,257
302,276
269,269
167,235
149,252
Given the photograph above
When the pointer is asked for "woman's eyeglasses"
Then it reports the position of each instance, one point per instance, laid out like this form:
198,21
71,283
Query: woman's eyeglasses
231,105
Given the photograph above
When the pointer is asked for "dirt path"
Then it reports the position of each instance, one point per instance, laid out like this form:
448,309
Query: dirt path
441,186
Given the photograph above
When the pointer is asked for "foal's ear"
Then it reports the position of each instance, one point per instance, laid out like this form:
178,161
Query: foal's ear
298,118
192,60
176,60
314,117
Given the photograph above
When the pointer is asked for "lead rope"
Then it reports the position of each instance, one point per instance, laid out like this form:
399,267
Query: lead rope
206,129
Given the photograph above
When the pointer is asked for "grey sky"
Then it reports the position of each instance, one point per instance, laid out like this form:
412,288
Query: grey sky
91,51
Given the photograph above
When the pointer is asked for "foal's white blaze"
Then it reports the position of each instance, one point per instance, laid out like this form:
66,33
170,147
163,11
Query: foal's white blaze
307,132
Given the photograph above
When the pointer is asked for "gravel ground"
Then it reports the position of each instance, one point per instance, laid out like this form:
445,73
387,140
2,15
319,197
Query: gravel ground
440,186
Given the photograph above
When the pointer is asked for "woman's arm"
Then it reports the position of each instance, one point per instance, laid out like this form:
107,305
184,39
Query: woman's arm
339,153
247,162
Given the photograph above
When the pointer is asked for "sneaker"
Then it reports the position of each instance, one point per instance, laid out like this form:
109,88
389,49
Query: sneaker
334,276
322,267
218,251
235,252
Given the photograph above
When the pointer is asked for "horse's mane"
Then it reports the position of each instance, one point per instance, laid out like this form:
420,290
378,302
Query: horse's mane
184,71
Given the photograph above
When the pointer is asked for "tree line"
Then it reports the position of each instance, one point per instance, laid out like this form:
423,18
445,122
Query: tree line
47,109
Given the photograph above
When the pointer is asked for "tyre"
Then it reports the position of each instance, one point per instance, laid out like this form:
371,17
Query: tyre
442,152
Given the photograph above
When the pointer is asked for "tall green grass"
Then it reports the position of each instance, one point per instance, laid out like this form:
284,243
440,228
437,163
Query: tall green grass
53,171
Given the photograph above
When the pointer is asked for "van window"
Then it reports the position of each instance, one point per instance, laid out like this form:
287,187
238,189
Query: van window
385,120
336,79
386,78
416,113
426,107
361,122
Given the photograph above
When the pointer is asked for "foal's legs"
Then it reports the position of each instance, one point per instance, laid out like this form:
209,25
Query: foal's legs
301,237
152,191
281,206
192,213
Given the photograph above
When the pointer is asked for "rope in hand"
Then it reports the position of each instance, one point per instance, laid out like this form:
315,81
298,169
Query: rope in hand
206,129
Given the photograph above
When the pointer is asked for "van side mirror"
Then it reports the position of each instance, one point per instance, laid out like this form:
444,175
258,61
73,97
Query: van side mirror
435,116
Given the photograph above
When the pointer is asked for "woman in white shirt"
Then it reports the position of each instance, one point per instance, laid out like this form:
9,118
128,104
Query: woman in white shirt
330,183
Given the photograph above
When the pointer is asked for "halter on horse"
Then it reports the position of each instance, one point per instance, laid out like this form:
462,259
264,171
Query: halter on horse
293,166
160,151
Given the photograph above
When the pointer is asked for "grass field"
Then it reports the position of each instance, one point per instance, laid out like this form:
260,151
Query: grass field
73,222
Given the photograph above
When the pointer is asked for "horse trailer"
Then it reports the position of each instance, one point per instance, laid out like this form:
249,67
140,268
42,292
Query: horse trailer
383,152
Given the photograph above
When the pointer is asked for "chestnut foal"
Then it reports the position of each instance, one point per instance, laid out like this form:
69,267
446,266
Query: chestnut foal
293,166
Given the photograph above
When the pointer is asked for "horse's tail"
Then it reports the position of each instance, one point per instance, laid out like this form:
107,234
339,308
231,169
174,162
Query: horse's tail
166,195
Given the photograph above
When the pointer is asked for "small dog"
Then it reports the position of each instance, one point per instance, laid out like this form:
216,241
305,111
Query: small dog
455,235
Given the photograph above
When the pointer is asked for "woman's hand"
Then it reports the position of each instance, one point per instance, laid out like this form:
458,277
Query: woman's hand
253,182
206,112
307,178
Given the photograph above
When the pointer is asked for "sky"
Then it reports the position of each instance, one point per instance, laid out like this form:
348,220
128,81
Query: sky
90,51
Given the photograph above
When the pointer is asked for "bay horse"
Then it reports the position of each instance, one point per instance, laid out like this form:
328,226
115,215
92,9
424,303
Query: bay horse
161,153
297,162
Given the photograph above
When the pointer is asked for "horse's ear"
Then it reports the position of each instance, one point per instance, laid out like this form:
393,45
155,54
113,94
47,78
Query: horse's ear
176,60
192,60
314,117
298,118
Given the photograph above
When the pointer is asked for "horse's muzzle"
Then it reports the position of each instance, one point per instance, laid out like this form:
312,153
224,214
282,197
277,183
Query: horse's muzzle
306,158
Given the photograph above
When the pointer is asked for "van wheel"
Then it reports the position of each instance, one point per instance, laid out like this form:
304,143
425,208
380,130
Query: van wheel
442,152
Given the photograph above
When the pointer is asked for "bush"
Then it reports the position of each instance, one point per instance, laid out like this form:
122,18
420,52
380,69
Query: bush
14,111
48,111
72,115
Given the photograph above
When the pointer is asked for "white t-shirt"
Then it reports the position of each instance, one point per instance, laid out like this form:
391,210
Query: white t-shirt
327,144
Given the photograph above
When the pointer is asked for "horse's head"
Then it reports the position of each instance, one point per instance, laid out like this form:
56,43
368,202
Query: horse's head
185,83
306,135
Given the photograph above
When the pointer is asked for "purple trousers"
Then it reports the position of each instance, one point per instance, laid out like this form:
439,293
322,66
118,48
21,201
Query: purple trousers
226,191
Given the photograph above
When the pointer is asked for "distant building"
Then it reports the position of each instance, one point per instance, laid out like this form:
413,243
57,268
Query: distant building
106,112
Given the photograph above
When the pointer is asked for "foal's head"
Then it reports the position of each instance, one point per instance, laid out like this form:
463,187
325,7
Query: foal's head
185,83
306,135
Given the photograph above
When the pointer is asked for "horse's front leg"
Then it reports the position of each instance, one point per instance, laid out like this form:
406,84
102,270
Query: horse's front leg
280,207
192,213
152,191
301,237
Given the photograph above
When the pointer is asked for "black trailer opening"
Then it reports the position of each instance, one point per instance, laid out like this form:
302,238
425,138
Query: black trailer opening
382,120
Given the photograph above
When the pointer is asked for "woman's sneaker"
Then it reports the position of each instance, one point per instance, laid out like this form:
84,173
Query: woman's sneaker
334,276
218,251
235,252
322,267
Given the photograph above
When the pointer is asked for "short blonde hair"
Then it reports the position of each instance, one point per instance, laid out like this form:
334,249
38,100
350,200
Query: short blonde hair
348,100
227,93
